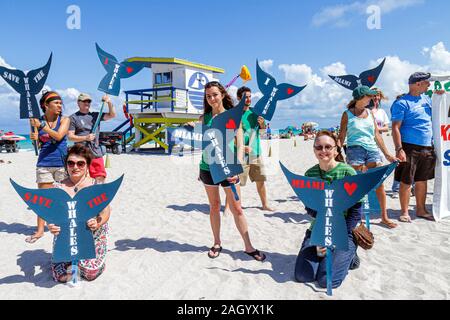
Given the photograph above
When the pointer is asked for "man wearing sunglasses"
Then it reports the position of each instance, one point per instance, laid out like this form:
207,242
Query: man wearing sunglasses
81,131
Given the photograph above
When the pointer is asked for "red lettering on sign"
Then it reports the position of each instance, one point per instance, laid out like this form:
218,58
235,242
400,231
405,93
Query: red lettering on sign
98,200
39,200
445,132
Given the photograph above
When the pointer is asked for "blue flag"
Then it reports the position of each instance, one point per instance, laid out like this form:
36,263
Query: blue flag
216,139
115,71
331,200
28,86
272,93
75,241
366,78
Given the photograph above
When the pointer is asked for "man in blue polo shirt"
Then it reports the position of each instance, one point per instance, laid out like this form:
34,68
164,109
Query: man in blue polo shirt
413,140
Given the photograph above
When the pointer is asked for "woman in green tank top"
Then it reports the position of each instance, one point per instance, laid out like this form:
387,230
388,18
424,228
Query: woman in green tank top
363,140
216,101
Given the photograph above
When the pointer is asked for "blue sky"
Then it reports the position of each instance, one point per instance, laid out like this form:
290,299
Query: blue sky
298,41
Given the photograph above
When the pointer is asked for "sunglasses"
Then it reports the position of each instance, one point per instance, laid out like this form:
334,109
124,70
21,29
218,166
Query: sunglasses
79,164
326,148
86,101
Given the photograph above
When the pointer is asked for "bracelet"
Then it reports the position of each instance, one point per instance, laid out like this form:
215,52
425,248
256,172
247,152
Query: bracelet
398,149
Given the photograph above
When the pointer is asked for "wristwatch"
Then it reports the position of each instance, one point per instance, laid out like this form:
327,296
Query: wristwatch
43,124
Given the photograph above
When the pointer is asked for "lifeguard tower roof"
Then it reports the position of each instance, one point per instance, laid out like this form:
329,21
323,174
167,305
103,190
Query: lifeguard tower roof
151,60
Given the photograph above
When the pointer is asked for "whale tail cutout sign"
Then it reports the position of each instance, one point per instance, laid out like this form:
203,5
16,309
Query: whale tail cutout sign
331,200
28,86
272,93
75,241
216,139
115,71
366,78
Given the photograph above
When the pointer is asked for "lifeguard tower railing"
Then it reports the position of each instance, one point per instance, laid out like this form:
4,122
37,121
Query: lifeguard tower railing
159,108
158,97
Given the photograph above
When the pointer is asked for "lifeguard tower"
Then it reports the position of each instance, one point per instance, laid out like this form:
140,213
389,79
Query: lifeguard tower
176,98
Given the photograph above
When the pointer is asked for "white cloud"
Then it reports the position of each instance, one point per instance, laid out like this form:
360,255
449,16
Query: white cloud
266,64
334,69
439,58
340,15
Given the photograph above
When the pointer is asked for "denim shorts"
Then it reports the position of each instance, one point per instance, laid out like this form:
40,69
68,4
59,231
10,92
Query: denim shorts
358,156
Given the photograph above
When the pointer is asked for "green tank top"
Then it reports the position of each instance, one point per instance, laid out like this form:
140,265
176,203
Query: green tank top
207,119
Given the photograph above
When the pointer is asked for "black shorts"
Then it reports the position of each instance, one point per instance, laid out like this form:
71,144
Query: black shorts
206,178
419,165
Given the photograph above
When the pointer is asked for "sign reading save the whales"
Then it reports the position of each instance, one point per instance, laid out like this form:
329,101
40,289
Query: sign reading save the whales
28,86
75,241
115,71
215,140
366,78
265,107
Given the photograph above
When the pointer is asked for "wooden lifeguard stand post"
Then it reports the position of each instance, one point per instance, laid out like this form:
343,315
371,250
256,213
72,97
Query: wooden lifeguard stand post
176,98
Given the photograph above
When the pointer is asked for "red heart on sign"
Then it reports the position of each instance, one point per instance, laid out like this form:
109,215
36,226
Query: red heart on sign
231,124
371,79
106,61
129,69
290,91
350,187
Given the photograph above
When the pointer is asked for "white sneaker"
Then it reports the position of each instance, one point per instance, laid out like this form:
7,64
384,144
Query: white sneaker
394,195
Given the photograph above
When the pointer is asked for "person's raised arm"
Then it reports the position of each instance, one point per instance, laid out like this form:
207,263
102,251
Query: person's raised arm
111,114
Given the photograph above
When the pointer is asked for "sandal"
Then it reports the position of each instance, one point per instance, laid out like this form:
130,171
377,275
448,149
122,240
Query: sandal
404,219
257,255
428,217
214,250
389,224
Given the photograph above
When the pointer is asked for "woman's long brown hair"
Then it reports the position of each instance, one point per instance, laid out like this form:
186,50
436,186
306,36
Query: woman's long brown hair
227,100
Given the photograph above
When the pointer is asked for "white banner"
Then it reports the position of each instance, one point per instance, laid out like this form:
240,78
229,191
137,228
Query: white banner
441,137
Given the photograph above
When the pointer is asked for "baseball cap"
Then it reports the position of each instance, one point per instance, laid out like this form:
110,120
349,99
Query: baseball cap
419,76
84,97
362,91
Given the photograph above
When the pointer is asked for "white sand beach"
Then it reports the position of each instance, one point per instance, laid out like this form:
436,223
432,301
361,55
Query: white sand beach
160,234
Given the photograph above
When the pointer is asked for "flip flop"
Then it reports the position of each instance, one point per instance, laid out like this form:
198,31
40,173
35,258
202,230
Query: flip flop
405,219
32,239
428,217
257,255
214,250
389,225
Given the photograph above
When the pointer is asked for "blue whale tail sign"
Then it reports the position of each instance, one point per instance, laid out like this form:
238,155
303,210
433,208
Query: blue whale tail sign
28,86
331,200
75,241
115,71
366,78
272,93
